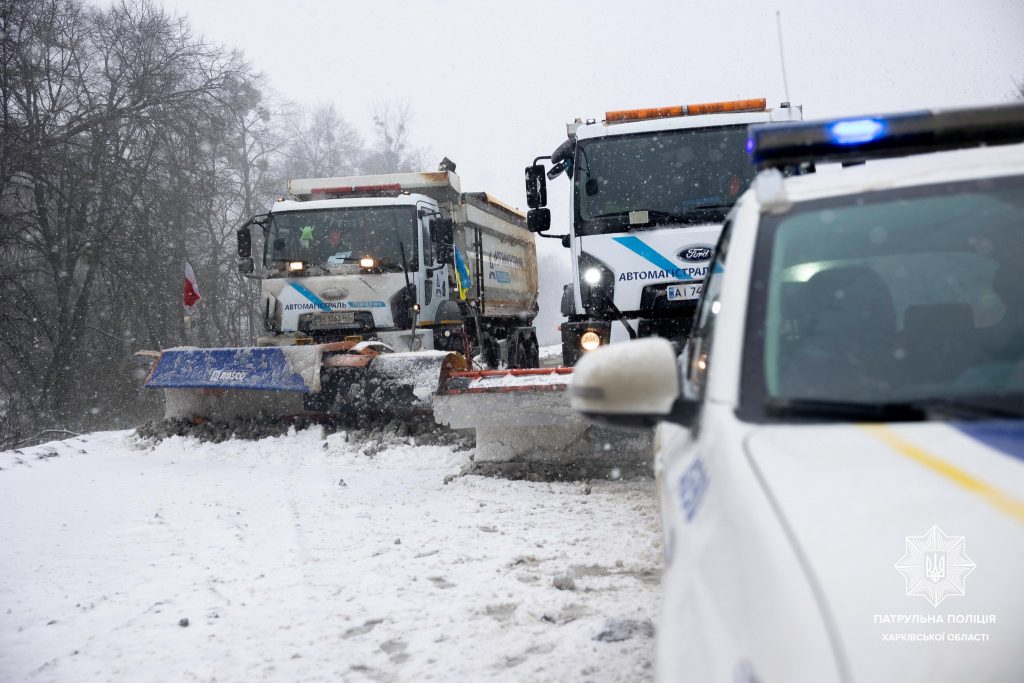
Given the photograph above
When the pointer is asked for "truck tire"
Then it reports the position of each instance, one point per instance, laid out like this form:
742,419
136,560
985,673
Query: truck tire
570,354
491,352
523,349
522,356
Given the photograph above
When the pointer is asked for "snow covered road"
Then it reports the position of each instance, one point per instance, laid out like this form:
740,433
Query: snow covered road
309,558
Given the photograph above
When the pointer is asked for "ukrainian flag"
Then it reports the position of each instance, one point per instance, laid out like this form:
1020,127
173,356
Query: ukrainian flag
462,275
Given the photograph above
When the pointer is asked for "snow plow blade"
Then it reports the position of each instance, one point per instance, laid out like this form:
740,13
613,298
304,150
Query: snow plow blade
378,388
508,398
526,428
338,380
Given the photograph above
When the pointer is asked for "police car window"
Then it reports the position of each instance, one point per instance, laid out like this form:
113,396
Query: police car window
912,295
698,352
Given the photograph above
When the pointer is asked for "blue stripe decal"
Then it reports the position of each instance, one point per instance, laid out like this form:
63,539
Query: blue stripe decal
301,289
1006,436
638,246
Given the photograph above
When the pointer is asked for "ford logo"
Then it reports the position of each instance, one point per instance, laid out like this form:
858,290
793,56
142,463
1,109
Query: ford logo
697,253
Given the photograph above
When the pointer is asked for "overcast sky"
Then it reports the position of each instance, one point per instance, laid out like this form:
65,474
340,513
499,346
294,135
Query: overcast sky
492,85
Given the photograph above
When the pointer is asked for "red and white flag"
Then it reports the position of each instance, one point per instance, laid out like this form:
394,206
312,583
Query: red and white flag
191,288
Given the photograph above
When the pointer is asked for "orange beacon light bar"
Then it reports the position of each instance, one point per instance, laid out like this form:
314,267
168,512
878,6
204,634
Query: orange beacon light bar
624,115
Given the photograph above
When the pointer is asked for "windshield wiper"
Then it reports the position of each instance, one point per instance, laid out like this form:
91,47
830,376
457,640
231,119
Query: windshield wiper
652,213
967,408
845,410
709,207
1004,406
694,214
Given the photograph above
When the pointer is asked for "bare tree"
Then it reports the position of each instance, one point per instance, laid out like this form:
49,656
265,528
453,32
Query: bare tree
128,146
322,144
392,151
109,181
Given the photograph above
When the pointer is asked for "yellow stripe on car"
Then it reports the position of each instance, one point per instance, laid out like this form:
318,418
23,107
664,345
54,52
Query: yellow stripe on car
994,496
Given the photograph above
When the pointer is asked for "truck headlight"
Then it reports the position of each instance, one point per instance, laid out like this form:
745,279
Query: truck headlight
294,265
597,285
367,262
590,340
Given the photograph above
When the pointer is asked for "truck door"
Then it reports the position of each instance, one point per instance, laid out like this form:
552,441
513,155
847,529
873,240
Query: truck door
434,287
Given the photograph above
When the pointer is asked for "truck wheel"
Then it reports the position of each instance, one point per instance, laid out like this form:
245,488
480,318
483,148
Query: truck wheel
490,352
534,354
523,355
570,354
512,345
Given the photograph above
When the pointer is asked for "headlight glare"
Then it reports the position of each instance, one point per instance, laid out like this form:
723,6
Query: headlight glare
590,340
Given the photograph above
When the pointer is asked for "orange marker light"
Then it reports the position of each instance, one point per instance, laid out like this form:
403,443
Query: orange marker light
734,105
642,114
625,115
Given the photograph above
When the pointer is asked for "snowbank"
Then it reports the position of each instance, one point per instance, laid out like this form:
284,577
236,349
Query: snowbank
309,558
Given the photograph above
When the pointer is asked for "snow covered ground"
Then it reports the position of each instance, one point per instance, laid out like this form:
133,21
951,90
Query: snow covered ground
308,558
550,356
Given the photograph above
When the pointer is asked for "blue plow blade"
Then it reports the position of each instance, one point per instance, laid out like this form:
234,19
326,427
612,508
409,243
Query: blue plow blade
270,368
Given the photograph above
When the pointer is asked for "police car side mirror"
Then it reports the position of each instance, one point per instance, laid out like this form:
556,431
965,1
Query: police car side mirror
629,385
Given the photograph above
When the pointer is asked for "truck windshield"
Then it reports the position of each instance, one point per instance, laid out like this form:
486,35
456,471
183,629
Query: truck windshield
910,297
335,237
690,176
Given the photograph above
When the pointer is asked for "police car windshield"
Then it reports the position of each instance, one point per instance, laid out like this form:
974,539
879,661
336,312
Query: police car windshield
335,237
904,296
689,175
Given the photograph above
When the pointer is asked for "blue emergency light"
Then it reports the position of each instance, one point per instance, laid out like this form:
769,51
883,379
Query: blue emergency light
852,140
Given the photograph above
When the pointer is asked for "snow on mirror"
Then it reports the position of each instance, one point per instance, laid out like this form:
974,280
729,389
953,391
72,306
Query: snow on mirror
629,384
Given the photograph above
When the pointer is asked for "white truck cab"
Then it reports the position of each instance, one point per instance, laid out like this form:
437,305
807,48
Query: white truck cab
331,261
650,189
407,260
840,453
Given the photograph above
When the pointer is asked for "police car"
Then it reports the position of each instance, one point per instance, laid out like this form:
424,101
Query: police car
840,443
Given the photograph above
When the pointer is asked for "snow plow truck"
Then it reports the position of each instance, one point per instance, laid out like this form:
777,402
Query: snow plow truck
650,191
374,290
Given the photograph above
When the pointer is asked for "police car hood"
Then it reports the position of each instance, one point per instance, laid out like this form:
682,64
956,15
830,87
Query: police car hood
871,508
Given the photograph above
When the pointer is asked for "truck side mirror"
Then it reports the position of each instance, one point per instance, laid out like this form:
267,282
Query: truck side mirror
558,169
444,237
244,242
536,187
245,262
538,220
568,300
